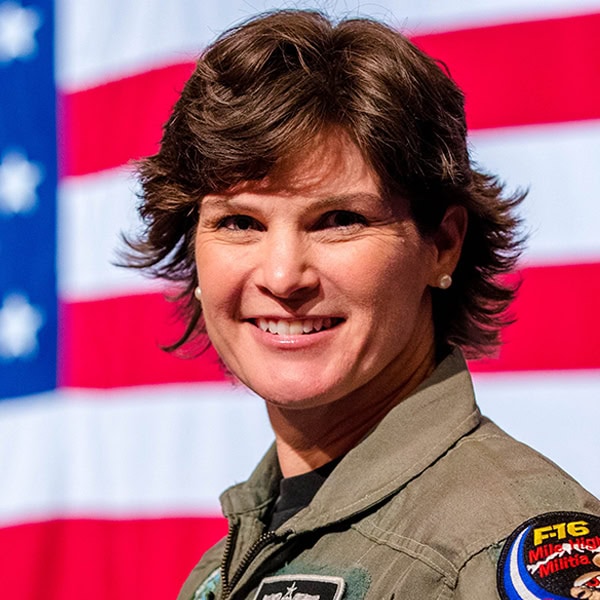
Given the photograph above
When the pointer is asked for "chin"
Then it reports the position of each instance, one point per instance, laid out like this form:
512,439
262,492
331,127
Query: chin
297,396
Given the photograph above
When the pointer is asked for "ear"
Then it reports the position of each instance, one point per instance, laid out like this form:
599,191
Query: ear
448,241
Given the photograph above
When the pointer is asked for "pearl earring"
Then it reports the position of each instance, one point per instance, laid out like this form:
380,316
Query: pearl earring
198,294
445,281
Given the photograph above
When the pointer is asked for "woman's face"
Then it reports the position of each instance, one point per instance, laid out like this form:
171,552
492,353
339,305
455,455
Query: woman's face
312,284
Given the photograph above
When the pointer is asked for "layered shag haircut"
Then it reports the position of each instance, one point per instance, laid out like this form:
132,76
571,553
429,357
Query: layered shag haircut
265,90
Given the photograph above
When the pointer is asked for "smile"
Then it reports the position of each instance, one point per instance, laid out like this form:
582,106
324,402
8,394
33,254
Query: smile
298,327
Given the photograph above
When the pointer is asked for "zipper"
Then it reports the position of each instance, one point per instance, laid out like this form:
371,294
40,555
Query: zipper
263,541
226,560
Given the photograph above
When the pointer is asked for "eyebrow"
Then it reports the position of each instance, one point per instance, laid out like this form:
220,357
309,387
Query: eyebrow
231,201
357,197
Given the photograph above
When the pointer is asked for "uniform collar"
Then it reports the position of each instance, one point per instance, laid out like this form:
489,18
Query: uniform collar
411,437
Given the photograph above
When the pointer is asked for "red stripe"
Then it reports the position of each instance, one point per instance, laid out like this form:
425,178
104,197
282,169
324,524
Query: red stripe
557,323
109,125
116,342
513,74
524,73
100,560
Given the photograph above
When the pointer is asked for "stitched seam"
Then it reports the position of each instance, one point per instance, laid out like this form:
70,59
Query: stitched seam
450,575
476,547
361,558
249,511
445,592
481,438
420,544
473,555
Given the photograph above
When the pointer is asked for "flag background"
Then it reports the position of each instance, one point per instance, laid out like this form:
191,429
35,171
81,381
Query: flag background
112,454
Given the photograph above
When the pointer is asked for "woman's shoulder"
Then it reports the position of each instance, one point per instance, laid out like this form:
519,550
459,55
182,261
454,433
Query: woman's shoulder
477,494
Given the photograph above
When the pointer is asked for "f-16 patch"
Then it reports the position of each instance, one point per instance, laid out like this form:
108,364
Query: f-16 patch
300,587
551,557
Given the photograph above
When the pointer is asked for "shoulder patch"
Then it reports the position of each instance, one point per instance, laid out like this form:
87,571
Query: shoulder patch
550,557
300,587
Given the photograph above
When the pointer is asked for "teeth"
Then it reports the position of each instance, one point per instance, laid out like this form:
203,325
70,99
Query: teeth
283,328
294,327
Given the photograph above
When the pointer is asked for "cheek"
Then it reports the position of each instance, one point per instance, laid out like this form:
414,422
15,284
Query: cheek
386,278
220,280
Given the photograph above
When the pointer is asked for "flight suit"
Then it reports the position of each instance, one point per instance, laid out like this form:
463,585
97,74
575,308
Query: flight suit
419,510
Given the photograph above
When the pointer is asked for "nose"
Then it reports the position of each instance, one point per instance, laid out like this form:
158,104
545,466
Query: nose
287,270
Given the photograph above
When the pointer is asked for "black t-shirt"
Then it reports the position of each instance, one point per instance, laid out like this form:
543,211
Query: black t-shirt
296,492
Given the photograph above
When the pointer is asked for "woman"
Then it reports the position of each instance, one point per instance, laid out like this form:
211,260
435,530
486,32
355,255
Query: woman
314,195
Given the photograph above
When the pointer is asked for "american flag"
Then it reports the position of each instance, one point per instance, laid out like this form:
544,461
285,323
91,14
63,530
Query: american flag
112,453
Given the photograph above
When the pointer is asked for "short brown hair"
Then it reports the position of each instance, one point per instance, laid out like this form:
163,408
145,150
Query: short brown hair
265,89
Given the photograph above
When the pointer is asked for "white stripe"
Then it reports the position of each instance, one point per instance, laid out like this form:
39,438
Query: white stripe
93,213
424,16
171,450
557,413
104,40
96,41
149,451
558,163
515,576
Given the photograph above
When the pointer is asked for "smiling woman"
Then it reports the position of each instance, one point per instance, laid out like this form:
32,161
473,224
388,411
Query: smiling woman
314,194
321,249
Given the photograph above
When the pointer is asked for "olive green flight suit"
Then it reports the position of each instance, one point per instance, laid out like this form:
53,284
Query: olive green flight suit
418,510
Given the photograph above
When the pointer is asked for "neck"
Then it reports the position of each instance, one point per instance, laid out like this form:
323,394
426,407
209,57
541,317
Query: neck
309,438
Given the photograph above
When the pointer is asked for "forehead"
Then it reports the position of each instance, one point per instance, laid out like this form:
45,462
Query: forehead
329,164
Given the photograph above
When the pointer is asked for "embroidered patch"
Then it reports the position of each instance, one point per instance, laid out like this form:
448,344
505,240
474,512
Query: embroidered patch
208,588
300,587
356,579
551,557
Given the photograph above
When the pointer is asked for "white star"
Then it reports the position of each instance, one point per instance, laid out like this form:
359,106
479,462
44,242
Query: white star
289,591
17,30
19,326
19,179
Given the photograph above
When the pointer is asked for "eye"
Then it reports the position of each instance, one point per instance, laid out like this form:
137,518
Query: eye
341,219
240,223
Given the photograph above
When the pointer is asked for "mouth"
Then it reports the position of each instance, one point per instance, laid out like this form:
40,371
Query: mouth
296,327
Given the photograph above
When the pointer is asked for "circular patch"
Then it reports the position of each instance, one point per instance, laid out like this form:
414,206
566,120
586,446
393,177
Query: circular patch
550,557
